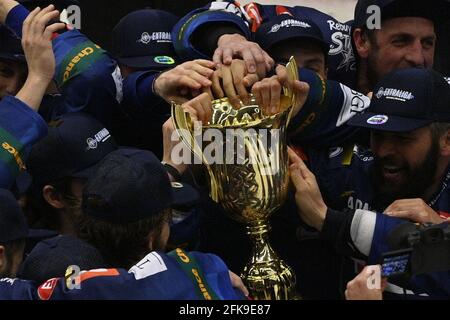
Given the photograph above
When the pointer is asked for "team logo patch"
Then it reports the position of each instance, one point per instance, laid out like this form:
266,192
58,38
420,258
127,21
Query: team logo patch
145,38
158,36
45,291
378,119
99,137
164,60
394,94
289,23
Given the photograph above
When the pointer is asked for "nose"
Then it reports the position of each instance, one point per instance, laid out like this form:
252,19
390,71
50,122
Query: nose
382,146
416,55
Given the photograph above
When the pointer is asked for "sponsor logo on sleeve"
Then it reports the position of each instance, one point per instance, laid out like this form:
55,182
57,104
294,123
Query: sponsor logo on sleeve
46,289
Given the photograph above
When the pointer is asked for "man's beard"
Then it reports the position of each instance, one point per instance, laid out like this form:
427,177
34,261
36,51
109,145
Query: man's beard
414,183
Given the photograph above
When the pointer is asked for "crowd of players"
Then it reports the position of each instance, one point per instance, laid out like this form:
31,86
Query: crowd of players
86,166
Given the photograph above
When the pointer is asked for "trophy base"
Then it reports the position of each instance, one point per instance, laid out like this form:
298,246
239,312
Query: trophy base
266,276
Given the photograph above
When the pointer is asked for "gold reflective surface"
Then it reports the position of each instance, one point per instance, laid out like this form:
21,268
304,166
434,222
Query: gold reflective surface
252,181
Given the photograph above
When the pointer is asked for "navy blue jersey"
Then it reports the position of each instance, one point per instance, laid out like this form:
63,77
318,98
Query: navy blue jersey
158,276
20,128
248,18
344,178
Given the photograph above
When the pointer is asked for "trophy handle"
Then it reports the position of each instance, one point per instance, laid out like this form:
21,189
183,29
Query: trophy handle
186,130
292,71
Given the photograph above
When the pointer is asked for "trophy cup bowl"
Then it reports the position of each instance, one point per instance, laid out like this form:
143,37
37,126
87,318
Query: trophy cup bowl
251,181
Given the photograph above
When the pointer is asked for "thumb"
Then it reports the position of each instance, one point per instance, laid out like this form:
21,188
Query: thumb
296,176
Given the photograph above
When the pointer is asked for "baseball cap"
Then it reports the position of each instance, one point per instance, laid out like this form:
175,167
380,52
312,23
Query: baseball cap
405,100
51,257
130,185
434,11
10,46
284,27
142,39
74,145
13,225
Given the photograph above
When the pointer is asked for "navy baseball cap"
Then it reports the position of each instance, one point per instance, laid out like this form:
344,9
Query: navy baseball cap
286,27
74,145
435,11
405,100
142,39
51,257
13,225
130,185
10,46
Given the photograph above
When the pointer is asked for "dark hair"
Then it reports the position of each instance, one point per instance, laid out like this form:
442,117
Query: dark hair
121,245
40,213
303,42
438,129
11,247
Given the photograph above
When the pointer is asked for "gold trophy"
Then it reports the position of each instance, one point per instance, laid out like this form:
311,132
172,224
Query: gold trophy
252,180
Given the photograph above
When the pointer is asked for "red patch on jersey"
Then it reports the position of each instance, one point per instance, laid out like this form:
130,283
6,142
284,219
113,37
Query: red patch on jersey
444,215
46,289
282,10
253,12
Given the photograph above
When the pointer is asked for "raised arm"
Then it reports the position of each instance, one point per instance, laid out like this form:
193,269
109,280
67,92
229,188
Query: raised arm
5,7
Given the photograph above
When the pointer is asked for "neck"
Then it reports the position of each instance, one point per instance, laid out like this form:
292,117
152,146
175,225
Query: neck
66,223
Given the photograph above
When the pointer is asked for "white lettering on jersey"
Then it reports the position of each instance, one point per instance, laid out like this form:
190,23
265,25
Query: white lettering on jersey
150,265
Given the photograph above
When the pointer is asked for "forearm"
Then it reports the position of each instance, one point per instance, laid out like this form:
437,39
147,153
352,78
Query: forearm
350,232
5,8
33,91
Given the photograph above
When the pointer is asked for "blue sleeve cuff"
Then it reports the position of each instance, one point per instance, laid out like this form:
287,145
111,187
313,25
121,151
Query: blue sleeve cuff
138,89
188,25
15,19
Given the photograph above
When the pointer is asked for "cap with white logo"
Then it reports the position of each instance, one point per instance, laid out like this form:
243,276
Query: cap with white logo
405,100
285,27
143,40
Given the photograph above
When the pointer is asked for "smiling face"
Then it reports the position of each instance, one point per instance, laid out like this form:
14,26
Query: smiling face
405,163
400,43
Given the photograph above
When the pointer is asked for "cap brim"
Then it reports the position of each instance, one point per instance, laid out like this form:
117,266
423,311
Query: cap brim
390,123
184,195
149,62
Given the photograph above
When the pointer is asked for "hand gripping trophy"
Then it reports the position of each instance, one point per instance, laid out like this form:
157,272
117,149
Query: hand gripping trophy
252,180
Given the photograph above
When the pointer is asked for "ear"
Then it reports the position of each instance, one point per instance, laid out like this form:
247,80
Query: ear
444,143
2,257
362,43
52,197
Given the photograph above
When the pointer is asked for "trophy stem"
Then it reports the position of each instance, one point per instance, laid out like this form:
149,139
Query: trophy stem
266,276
